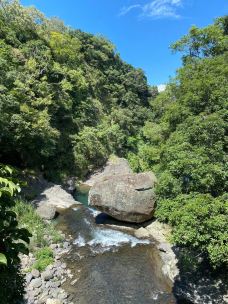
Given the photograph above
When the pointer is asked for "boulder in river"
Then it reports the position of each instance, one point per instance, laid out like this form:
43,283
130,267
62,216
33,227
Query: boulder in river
114,166
129,197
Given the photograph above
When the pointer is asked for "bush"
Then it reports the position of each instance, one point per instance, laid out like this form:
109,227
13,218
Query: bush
13,240
199,221
30,220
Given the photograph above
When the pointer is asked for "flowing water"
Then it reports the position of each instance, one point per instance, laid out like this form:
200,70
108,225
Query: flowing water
110,265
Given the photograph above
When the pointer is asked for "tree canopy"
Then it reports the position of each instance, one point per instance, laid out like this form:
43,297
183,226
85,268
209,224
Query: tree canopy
67,99
185,143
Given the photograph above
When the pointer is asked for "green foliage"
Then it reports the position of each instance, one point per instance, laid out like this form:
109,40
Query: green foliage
199,220
13,239
44,257
184,143
65,94
205,42
29,219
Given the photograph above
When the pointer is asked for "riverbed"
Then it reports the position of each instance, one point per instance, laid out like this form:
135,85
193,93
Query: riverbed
109,264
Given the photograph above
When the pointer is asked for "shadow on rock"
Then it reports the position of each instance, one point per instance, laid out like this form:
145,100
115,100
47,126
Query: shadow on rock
197,281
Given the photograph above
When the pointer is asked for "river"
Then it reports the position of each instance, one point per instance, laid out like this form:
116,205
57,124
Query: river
109,264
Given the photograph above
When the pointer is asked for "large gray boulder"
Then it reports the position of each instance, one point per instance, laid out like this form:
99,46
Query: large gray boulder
114,166
128,197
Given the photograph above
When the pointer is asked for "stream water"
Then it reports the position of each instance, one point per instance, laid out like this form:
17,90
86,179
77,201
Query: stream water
109,264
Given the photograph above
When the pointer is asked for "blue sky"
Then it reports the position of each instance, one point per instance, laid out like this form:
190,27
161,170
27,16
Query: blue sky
142,30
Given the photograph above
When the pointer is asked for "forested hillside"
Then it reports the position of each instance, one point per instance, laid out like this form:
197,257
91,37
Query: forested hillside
67,99
185,144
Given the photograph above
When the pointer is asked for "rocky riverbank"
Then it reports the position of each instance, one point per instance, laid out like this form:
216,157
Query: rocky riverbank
46,287
161,233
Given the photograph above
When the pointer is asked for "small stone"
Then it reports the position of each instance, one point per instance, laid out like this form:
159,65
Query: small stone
58,264
62,295
55,284
65,245
54,301
37,291
28,278
54,246
43,298
63,266
35,273
47,275
73,282
35,283
31,300
142,233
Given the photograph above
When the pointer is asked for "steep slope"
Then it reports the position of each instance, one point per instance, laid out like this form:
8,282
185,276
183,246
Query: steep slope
67,99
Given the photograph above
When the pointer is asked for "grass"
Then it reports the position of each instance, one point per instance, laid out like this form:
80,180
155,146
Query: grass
43,234
44,257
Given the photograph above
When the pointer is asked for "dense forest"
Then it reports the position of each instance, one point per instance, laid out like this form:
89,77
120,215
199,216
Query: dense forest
185,144
68,101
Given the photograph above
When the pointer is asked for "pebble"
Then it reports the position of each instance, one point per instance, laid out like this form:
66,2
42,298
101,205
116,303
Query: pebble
73,282
47,275
55,284
65,245
63,266
54,246
63,295
36,292
53,301
58,264
35,273
28,278
35,283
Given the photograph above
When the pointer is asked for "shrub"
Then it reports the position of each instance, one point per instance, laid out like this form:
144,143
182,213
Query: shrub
199,221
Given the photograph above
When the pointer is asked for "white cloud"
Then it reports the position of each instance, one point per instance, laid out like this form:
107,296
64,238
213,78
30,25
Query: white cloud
162,8
126,9
156,9
161,87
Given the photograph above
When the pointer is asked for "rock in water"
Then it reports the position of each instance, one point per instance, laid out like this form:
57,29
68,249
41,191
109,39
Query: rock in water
128,197
114,166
